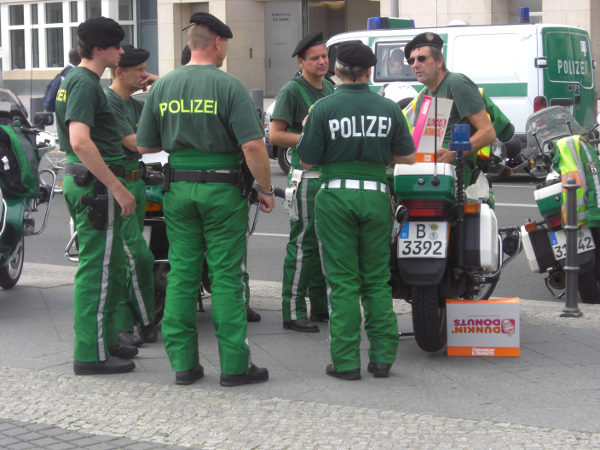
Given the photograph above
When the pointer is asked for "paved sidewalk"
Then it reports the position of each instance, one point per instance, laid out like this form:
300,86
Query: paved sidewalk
547,398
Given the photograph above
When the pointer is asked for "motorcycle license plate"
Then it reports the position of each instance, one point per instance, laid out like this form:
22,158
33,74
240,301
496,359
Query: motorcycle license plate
423,240
558,240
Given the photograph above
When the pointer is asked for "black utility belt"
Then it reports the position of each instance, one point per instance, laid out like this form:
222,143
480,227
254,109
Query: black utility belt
203,176
83,177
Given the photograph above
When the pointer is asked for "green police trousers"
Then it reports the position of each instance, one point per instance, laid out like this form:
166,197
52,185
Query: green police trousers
209,218
138,297
302,271
354,229
100,277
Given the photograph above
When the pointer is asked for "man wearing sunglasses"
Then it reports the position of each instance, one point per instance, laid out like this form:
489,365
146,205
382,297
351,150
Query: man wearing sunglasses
424,54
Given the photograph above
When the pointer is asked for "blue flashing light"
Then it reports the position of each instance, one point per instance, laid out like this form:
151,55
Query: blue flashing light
376,23
523,15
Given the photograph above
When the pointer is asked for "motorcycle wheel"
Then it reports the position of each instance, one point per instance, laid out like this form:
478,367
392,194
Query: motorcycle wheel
485,291
429,318
587,285
159,306
11,272
205,279
284,158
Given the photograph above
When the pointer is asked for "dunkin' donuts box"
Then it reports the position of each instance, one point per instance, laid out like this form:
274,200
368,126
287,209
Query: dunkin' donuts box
484,327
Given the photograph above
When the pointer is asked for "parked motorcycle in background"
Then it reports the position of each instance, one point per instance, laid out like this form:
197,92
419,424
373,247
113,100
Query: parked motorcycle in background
544,240
21,147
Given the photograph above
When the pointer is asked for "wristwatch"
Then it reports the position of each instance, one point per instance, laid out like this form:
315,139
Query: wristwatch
272,192
456,155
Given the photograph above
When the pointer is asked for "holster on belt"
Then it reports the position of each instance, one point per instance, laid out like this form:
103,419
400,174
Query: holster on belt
81,175
245,179
290,202
98,205
167,178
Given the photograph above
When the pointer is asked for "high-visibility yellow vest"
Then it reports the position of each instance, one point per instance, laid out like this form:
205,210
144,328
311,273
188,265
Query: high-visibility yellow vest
484,153
570,166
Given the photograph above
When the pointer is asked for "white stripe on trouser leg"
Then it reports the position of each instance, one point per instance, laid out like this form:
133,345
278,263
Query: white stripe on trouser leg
300,254
105,263
136,286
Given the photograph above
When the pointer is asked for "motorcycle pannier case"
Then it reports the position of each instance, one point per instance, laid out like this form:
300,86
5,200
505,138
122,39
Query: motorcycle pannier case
549,199
481,240
414,182
18,162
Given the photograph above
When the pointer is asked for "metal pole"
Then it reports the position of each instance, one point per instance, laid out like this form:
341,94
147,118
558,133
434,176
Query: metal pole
571,268
394,10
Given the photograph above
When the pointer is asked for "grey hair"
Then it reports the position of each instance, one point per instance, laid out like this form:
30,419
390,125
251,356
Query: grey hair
349,71
437,55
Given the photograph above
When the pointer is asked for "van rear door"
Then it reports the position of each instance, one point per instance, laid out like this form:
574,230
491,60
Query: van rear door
569,78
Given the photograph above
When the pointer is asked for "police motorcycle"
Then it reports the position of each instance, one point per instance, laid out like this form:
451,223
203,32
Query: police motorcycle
446,243
22,145
544,240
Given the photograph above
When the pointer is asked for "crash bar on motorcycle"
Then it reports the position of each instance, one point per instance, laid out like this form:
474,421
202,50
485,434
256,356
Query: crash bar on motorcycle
49,202
68,255
3,218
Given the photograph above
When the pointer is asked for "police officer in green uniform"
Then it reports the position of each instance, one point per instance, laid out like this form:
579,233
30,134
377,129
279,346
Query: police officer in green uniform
353,135
302,271
86,125
138,298
424,54
205,119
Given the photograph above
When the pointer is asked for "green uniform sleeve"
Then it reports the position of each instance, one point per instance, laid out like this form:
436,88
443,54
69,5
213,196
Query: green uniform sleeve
467,98
148,132
244,121
402,141
287,107
81,105
125,128
311,146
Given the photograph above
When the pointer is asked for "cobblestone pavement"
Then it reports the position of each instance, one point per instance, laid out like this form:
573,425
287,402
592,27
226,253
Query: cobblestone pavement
212,420
15,435
430,402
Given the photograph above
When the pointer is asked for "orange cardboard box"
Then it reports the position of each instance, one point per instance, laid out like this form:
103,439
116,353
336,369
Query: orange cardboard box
484,327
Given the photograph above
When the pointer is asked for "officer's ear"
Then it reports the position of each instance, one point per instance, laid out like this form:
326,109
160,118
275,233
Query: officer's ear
368,73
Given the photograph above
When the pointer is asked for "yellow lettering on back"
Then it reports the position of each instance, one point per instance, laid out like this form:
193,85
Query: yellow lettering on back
61,95
171,106
163,108
198,103
208,104
184,110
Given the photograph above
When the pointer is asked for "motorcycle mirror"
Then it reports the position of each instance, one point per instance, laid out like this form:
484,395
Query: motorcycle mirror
43,118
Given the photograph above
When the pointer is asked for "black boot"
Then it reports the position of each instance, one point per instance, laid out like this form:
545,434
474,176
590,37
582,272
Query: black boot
350,375
379,370
111,366
189,376
127,338
302,324
251,315
148,333
254,375
123,351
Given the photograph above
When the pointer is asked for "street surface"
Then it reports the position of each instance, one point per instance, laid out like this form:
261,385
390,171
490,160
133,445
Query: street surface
514,205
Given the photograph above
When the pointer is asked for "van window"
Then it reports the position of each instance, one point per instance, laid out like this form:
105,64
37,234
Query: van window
391,63
489,58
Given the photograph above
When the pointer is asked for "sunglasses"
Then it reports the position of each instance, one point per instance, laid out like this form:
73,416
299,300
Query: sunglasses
420,58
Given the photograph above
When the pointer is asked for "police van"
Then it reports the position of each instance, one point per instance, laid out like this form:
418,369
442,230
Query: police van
523,68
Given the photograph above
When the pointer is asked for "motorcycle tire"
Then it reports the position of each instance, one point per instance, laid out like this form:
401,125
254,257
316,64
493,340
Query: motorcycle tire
429,318
11,272
284,158
587,285
159,306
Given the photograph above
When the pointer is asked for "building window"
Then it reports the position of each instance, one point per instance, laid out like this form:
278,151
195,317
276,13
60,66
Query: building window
54,13
128,35
34,14
73,7
148,10
73,37
54,47
35,49
125,10
93,8
17,15
17,49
